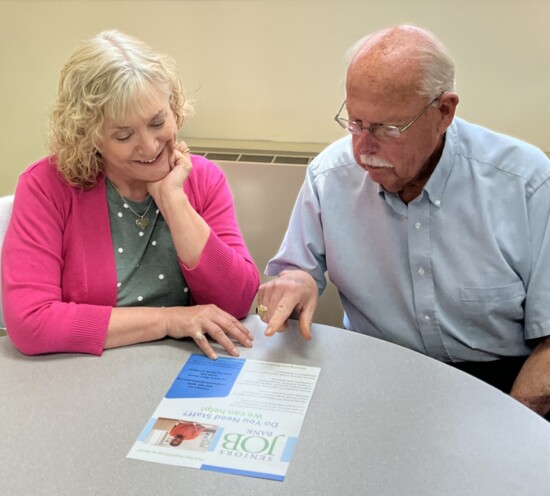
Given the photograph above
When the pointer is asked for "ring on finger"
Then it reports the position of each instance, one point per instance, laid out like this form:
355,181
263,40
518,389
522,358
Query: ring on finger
199,336
261,310
187,150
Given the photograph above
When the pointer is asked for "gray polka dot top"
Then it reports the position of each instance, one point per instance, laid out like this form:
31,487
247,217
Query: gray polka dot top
148,273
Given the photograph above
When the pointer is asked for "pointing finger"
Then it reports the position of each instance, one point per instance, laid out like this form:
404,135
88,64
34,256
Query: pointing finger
278,320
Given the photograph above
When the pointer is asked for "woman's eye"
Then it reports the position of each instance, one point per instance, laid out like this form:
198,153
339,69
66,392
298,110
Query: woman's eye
158,124
122,139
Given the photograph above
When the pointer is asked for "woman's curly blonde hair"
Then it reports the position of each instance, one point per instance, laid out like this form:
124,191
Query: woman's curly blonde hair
107,75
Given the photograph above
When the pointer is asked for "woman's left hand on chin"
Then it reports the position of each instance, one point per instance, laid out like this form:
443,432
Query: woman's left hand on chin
172,184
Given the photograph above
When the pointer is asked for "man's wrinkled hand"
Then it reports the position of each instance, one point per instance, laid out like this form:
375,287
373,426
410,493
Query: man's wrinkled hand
292,293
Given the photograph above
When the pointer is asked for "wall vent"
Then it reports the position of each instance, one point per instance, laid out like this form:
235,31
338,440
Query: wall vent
254,156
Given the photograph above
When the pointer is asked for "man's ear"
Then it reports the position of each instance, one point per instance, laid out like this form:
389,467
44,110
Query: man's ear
447,107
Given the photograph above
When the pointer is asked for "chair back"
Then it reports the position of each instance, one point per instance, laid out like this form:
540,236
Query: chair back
6,203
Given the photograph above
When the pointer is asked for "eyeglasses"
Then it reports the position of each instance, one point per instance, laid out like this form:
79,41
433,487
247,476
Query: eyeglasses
380,131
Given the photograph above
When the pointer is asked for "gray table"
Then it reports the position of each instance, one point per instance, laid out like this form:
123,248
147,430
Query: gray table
382,421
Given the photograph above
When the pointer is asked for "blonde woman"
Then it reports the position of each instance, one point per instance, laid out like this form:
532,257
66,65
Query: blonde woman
121,236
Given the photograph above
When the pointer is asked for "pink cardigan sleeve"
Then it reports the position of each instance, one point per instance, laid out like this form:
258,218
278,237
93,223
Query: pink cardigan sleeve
49,303
226,274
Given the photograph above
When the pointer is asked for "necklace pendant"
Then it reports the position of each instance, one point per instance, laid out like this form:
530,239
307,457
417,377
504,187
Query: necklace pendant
142,223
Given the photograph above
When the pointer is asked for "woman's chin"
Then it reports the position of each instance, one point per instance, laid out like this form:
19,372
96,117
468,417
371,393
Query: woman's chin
158,171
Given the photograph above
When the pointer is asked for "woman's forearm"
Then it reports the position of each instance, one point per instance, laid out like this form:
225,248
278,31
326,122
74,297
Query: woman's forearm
131,325
189,230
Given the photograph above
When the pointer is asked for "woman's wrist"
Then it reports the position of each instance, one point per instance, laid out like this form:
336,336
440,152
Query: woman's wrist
167,320
174,204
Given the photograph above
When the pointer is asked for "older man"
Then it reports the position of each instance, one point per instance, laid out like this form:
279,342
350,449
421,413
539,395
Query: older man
435,231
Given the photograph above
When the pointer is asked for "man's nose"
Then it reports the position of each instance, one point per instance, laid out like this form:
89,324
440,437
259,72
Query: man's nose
366,143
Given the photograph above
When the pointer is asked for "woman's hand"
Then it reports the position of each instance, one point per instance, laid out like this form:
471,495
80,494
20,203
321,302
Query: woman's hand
188,229
172,184
202,321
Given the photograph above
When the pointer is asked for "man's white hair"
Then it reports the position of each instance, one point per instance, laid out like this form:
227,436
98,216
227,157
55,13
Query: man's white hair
437,67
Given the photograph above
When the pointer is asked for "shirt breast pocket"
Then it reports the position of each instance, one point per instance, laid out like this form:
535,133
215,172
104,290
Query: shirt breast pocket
493,317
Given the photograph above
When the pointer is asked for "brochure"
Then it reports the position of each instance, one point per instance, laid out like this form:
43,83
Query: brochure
231,415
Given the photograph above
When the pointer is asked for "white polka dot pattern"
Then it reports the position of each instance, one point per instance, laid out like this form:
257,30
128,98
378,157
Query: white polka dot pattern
148,272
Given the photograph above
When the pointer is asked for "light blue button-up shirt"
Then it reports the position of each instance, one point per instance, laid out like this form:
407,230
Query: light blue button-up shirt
460,273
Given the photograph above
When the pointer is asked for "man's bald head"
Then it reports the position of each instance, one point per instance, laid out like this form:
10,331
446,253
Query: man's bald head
400,61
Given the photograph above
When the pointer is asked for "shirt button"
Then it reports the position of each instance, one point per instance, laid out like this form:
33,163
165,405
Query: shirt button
426,318
418,225
421,271
437,203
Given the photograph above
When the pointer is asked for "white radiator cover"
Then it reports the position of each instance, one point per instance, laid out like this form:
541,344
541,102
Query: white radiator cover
260,152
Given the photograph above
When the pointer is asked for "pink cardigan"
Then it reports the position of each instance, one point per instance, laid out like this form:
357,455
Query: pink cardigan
59,280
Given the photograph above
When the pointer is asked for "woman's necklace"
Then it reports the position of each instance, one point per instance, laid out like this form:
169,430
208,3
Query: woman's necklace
142,222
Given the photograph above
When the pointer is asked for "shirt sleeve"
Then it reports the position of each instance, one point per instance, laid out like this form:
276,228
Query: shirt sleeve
303,246
537,303
226,274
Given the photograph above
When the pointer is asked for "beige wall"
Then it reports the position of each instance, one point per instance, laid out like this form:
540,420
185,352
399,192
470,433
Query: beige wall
273,69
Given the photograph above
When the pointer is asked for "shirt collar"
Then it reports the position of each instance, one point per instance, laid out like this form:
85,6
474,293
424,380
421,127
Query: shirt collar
435,187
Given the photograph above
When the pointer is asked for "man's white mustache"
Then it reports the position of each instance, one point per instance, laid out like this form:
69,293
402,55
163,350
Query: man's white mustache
374,161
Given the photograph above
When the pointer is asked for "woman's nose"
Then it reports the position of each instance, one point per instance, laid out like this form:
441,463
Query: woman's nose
148,145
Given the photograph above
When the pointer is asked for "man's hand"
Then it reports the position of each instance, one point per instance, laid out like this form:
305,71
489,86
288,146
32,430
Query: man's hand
532,385
293,292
